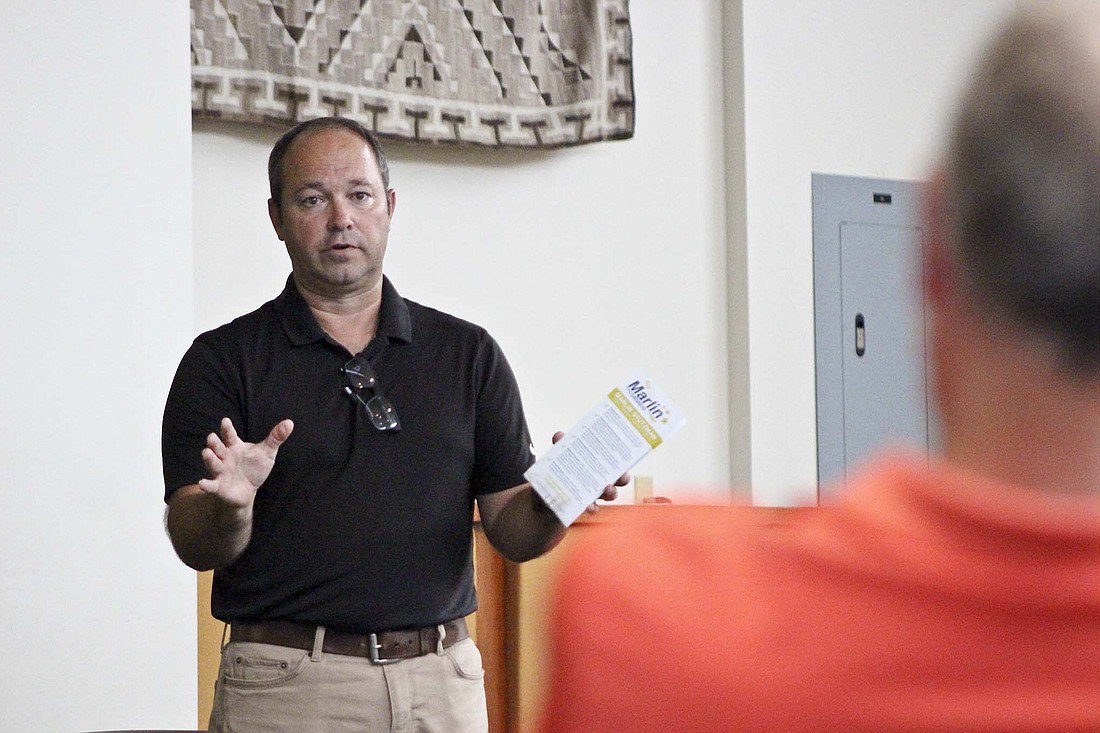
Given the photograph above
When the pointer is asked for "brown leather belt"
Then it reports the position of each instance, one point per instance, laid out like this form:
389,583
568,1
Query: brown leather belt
381,648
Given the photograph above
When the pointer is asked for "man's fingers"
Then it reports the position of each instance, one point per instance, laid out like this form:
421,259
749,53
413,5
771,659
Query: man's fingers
211,461
214,442
557,436
214,466
229,433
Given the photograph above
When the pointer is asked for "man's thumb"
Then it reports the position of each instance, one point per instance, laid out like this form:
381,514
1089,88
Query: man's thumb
279,434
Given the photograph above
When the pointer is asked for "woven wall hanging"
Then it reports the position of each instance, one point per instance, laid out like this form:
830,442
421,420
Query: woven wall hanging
504,73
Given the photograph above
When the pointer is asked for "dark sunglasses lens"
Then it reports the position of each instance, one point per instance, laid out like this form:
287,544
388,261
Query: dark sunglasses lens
359,374
382,413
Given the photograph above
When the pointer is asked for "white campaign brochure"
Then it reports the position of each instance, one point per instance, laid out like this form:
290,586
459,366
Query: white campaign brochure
623,428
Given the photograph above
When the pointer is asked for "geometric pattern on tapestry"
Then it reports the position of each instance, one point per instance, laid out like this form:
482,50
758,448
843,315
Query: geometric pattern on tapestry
504,73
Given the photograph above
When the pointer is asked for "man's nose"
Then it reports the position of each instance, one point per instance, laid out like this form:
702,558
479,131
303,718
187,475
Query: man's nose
340,215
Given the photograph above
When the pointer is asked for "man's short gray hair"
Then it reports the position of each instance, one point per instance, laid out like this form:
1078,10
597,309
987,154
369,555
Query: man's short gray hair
1023,180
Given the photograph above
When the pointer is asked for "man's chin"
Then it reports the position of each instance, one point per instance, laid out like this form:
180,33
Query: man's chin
345,281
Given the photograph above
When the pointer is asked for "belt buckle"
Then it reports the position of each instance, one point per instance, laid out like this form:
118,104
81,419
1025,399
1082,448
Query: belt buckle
372,652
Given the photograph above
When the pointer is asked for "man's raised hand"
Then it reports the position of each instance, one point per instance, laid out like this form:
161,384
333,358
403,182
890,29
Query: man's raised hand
237,469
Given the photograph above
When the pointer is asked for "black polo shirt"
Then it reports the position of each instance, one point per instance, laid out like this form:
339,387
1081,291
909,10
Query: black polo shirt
355,528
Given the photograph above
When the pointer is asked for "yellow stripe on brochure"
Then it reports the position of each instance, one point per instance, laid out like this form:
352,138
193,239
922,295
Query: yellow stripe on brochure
634,415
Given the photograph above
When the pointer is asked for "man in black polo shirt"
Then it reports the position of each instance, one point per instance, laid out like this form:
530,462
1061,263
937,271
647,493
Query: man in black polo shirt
323,454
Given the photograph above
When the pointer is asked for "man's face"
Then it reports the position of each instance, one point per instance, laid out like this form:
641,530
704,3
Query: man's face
335,213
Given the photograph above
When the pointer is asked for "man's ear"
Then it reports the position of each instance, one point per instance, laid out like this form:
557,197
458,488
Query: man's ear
391,201
275,215
938,291
937,270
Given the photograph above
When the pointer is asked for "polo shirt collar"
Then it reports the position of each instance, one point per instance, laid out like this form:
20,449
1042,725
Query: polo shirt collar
302,328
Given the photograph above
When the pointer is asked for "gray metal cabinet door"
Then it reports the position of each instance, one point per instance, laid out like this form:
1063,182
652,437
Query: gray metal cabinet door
882,314
869,323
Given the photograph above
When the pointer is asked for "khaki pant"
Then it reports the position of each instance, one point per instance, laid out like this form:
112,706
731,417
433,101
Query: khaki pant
275,689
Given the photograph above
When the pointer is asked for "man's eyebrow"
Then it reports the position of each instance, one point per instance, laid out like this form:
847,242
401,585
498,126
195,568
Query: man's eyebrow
319,186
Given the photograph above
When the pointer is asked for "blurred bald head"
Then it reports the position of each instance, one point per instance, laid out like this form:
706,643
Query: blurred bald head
1022,183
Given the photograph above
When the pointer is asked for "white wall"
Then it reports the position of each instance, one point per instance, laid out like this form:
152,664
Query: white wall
833,86
583,263
97,621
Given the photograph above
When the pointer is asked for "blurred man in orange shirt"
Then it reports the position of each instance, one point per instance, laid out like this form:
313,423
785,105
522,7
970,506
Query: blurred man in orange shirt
960,596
